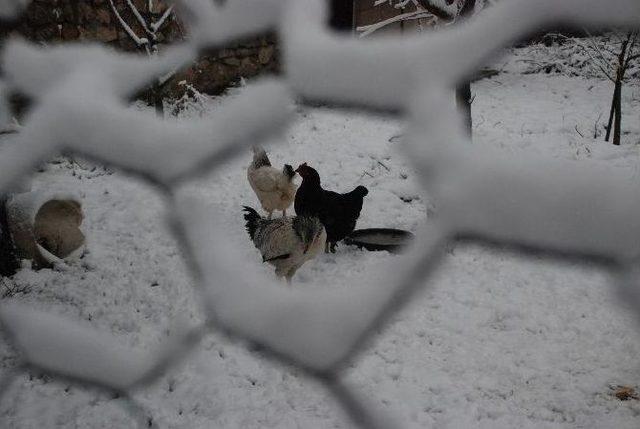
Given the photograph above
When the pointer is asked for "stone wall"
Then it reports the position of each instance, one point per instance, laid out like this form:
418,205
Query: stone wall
52,21
213,73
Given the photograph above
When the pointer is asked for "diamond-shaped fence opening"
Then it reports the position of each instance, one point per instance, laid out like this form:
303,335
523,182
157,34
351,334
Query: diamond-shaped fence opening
80,95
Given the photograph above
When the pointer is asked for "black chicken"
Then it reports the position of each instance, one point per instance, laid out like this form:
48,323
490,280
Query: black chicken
337,212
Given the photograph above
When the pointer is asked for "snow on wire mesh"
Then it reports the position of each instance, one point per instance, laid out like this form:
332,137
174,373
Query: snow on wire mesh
80,94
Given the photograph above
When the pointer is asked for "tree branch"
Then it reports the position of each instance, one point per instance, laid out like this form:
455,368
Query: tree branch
436,10
368,29
140,41
156,25
141,20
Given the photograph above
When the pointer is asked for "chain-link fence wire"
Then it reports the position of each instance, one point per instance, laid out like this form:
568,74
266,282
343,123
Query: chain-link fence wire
80,94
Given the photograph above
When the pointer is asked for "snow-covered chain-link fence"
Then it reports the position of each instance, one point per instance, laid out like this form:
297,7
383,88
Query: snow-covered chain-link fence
81,91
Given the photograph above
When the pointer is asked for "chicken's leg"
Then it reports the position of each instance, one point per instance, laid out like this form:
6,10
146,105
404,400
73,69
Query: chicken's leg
330,247
289,275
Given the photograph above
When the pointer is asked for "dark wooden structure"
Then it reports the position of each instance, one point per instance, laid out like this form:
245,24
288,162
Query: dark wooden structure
8,261
342,14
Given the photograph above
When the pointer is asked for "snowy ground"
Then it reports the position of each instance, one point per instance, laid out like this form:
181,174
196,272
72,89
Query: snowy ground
496,341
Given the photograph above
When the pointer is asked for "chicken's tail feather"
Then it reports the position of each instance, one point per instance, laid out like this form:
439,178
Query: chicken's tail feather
252,217
260,158
360,191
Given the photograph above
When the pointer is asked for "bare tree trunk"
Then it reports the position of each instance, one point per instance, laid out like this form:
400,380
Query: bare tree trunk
617,123
463,101
612,113
8,260
615,114
158,101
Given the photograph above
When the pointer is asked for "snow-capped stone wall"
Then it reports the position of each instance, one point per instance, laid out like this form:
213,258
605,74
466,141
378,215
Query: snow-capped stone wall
53,21
213,73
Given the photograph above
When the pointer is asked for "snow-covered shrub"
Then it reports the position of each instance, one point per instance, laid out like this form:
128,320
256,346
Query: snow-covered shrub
588,57
192,102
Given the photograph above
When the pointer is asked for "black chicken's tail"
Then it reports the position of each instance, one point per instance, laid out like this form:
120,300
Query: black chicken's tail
252,217
360,191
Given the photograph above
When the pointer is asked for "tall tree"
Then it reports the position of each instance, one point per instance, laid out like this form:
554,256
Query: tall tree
150,22
626,55
616,57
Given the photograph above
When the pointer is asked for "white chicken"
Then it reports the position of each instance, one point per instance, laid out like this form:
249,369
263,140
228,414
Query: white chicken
285,243
274,188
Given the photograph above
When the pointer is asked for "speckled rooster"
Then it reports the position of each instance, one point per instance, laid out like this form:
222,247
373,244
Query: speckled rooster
285,243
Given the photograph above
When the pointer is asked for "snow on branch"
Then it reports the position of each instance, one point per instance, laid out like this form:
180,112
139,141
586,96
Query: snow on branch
154,26
369,29
139,41
139,18
443,9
